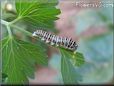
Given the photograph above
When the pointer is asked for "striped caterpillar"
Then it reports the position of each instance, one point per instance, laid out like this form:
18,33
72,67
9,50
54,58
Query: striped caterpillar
67,43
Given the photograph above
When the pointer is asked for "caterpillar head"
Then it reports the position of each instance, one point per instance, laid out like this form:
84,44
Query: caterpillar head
34,34
75,46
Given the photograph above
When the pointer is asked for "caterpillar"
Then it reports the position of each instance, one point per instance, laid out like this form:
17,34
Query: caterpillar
52,39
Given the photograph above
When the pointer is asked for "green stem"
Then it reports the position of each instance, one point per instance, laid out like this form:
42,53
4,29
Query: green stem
8,27
15,20
9,31
22,30
4,22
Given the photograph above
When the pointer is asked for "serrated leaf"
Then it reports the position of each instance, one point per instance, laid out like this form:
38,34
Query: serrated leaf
38,13
69,73
77,58
19,59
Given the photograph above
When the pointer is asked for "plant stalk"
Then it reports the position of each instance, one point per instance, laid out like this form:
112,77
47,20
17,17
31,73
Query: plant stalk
8,25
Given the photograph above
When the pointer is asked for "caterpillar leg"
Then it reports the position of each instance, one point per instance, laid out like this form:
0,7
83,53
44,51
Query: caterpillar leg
34,34
52,43
42,39
47,41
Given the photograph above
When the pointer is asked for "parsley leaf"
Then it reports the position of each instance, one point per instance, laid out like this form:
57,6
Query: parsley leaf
19,59
69,73
38,13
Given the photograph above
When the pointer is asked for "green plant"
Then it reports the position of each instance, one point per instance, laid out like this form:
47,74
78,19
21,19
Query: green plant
19,56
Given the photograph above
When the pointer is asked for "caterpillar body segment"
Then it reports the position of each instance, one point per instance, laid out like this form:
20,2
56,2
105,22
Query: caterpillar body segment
52,39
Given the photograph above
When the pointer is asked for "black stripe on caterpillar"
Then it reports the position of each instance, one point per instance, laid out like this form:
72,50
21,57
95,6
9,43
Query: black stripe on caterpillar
52,39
